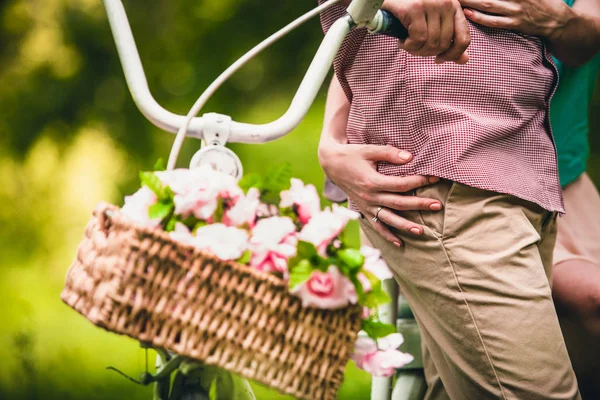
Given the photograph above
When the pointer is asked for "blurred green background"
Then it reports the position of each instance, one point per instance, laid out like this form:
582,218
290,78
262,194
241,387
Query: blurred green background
70,136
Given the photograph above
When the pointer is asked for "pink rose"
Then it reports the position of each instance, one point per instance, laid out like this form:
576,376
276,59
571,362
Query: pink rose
375,264
270,261
325,226
363,347
385,363
197,191
225,242
244,210
305,198
326,290
380,358
273,243
137,205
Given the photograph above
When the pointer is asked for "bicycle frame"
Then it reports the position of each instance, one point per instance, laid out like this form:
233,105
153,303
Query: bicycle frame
360,13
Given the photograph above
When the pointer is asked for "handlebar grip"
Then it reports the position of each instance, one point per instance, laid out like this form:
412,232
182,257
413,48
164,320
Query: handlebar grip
391,26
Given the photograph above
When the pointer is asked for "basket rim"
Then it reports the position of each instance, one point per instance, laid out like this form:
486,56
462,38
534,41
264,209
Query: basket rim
159,233
125,222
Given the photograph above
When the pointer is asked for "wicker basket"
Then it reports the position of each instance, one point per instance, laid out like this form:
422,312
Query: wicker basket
138,282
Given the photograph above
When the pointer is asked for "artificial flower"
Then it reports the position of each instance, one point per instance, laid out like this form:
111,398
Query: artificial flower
325,226
375,264
137,205
380,358
273,243
303,198
244,211
326,290
225,242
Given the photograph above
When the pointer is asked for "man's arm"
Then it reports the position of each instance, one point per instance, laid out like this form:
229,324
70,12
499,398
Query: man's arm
354,169
572,33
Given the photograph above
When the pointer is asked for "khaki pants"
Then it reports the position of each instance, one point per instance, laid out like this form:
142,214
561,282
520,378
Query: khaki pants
477,281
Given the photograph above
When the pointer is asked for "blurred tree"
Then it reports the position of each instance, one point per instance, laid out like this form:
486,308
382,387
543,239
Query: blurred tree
60,68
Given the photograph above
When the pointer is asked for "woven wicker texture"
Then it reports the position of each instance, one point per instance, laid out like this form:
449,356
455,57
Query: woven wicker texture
138,282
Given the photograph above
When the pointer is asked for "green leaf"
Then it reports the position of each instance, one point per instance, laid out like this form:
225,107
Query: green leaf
270,197
190,221
245,258
300,273
344,237
306,249
375,298
250,181
377,329
358,286
212,393
152,181
375,282
351,258
161,210
288,212
170,225
218,214
160,165
278,178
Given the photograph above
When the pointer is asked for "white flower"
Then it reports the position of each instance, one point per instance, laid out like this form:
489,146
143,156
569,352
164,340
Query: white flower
244,211
225,242
325,226
380,358
137,205
375,264
304,197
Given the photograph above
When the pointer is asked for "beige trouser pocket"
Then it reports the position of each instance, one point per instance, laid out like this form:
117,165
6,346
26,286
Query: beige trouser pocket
478,283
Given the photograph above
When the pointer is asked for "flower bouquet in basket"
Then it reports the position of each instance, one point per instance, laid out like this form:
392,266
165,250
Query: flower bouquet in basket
252,276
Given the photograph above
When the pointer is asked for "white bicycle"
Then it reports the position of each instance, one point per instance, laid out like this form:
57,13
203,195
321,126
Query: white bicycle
178,378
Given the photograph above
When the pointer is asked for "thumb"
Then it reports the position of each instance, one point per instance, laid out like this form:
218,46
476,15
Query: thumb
390,154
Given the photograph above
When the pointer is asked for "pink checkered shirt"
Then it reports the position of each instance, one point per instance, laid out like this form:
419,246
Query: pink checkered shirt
484,124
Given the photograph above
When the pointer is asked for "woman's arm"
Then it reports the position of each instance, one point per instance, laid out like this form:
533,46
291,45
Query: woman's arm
354,170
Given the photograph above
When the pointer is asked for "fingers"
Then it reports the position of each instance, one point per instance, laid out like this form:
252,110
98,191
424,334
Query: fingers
434,23
398,184
492,21
436,28
390,218
417,33
386,233
408,203
446,34
385,153
498,7
462,40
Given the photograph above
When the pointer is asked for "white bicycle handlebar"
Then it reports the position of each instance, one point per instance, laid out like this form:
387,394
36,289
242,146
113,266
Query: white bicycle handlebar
361,13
